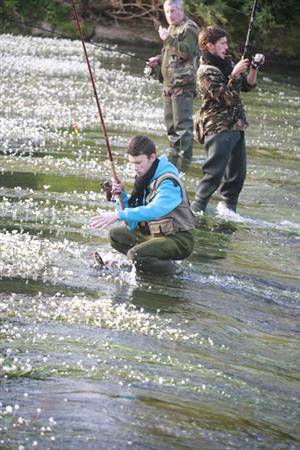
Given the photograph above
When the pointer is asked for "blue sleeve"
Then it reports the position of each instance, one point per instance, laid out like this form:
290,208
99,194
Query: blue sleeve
131,225
167,198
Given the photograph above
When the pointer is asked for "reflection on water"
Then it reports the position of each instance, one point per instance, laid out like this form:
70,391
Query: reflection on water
111,359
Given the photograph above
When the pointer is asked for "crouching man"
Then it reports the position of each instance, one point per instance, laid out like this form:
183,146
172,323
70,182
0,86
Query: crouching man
157,215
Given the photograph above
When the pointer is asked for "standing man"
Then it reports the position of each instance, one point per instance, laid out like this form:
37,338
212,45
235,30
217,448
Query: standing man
178,67
221,121
158,219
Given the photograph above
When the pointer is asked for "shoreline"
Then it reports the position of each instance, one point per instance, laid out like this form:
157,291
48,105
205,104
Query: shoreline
120,33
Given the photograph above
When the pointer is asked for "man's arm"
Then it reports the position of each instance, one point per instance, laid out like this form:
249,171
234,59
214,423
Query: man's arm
257,61
212,82
168,197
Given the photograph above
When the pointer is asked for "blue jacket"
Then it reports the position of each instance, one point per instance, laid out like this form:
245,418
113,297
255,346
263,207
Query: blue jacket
168,197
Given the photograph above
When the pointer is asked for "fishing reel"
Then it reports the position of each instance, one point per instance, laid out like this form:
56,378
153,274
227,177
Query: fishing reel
148,71
257,60
106,187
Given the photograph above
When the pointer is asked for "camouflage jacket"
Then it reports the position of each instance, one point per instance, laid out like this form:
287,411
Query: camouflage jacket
180,55
221,108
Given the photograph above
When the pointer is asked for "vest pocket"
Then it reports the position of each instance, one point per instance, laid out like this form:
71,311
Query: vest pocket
163,227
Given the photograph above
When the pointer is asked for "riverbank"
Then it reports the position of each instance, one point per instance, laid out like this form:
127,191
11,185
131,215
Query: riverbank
97,27
96,30
122,33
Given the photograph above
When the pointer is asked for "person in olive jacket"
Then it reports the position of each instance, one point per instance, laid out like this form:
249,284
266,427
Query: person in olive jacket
177,67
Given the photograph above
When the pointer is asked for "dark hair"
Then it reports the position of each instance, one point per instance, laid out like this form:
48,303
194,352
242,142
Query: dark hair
211,35
141,145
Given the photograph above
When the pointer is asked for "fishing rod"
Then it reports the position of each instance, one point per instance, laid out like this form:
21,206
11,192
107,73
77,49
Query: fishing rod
108,148
246,48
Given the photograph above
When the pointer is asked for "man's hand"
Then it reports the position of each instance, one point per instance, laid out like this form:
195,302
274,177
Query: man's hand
104,220
163,33
240,68
153,61
117,187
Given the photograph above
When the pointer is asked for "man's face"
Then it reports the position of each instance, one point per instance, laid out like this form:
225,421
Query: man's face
173,14
220,48
141,163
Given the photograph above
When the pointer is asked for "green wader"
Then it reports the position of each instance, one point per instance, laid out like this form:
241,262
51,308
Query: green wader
178,114
226,156
152,254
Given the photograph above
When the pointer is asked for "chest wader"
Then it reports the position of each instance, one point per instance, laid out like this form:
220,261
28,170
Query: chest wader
157,254
226,158
179,77
178,115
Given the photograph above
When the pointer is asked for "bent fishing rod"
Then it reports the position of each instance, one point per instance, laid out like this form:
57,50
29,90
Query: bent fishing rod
108,148
252,17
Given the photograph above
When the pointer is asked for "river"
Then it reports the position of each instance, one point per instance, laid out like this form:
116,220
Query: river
109,359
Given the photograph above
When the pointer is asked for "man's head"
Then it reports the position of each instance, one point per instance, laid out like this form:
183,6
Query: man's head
141,154
174,11
214,40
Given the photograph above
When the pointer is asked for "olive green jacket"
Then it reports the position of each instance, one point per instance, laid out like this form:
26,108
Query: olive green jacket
180,55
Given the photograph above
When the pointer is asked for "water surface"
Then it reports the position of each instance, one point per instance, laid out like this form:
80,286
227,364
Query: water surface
111,359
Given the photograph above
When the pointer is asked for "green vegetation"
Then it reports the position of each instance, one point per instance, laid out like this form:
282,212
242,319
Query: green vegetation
276,29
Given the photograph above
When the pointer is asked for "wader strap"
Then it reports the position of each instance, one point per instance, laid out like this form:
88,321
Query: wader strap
172,177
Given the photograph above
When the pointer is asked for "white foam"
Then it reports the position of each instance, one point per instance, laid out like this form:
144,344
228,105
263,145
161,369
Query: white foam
227,214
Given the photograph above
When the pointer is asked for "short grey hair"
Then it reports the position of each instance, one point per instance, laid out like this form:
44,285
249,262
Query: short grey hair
177,3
